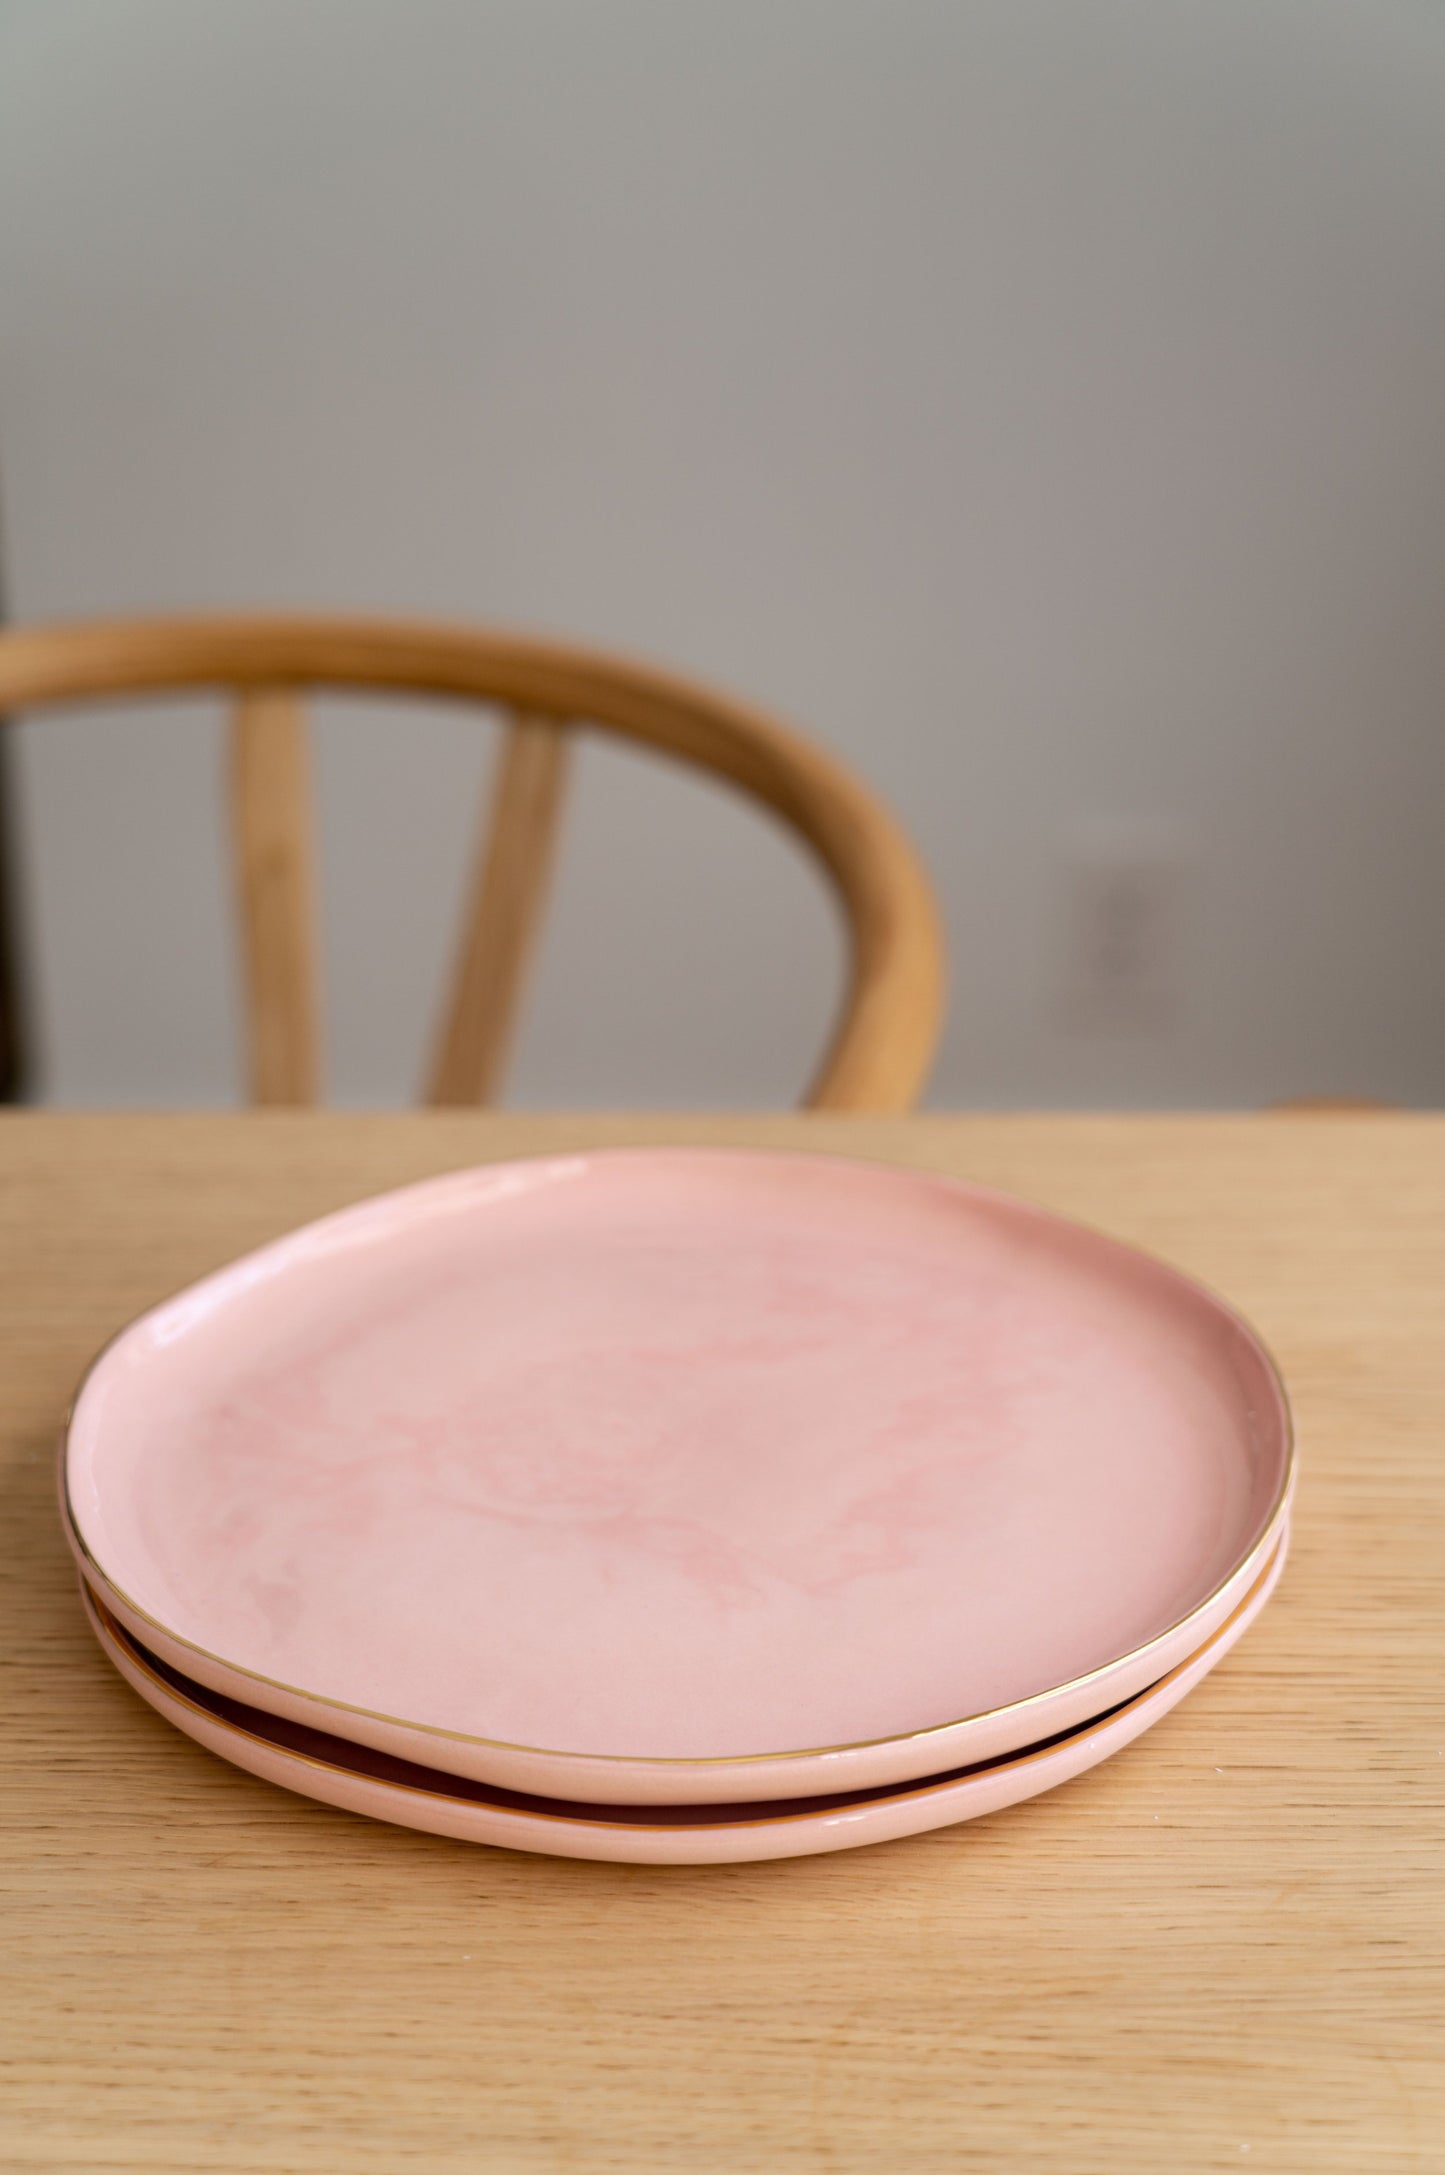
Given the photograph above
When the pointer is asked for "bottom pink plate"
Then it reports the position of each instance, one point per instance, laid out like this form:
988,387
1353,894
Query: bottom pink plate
358,1779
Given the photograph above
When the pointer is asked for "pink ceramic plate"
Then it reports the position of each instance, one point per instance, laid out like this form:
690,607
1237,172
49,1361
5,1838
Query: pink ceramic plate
682,1475
358,1780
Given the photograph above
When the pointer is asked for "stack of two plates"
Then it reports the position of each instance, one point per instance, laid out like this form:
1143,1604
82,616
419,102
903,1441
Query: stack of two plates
678,1505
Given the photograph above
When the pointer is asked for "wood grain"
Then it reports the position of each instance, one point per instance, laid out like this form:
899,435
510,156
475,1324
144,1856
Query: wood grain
1223,1949
271,814
503,920
883,1039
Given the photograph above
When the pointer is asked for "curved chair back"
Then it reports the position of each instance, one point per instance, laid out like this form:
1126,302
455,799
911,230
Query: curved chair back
880,1050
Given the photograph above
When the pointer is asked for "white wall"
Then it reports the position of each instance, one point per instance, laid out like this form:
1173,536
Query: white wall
1043,402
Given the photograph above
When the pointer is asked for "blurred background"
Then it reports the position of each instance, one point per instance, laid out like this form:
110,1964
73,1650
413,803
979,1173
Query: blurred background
1040,402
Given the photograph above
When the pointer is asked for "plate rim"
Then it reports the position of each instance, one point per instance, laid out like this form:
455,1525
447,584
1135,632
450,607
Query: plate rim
111,1634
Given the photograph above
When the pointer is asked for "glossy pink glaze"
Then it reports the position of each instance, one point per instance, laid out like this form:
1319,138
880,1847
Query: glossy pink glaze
678,1454
702,1835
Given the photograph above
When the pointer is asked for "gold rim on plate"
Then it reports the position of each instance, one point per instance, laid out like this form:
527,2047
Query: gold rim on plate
112,1635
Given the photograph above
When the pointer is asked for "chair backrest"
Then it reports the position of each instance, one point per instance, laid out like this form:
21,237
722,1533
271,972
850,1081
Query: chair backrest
883,1040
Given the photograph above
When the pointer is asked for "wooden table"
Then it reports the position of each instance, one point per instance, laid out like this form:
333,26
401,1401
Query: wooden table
1224,1949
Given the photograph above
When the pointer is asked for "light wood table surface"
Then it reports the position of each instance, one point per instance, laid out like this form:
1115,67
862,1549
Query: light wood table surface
1223,1949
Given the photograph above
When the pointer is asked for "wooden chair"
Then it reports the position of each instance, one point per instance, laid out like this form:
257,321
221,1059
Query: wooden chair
880,1050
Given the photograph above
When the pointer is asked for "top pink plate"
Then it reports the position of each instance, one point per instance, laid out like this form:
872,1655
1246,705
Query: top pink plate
677,1475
